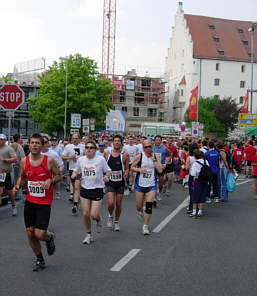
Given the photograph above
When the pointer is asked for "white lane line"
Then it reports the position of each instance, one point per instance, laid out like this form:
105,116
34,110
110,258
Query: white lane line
243,182
159,227
125,260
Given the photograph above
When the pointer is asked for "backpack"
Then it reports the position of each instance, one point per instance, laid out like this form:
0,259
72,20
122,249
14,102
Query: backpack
205,173
231,160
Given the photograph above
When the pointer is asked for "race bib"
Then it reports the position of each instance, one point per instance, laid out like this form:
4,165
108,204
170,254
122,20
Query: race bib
238,152
35,188
116,176
158,156
90,172
146,179
2,177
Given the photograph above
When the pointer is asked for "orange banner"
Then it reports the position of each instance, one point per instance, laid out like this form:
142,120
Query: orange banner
193,104
246,102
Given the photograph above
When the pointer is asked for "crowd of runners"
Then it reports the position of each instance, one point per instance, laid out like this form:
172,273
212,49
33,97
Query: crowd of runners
114,166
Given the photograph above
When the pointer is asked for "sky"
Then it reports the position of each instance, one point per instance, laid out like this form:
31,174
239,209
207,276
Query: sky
32,29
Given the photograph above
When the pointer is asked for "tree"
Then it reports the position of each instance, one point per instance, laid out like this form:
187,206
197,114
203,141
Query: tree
226,111
5,79
87,93
206,107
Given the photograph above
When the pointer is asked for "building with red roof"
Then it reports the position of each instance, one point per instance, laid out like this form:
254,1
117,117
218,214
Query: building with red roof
214,54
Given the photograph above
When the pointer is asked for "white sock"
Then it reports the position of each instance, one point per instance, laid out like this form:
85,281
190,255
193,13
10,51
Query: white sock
200,212
194,212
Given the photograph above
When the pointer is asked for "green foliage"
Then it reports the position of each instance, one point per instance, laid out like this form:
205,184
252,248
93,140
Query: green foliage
5,79
87,94
206,115
227,111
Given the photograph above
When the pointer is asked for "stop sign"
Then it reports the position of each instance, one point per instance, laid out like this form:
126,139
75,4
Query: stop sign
11,97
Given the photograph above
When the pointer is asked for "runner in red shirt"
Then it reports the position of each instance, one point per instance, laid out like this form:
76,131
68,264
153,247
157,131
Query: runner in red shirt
249,152
238,154
170,165
41,172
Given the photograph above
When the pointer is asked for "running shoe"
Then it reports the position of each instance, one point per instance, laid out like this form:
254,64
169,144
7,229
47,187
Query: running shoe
208,200
145,230
110,222
216,200
50,245
99,226
159,196
39,265
57,195
140,215
130,188
88,239
74,210
68,188
126,192
116,226
192,215
167,192
14,211
71,198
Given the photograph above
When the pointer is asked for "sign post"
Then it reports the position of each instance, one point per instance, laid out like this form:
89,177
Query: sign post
11,98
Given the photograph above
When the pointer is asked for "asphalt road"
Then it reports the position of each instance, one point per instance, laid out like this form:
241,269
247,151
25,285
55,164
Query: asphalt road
214,255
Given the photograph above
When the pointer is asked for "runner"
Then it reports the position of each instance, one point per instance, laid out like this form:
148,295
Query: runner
119,164
160,150
146,165
73,152
41,172
91,169
52,153
132,151
7,157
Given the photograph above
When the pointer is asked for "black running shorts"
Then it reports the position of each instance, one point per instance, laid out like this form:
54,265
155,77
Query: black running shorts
36,215
92,194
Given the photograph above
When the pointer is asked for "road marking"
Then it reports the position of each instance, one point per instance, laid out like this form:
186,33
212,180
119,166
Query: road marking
125,260
243,182
159,227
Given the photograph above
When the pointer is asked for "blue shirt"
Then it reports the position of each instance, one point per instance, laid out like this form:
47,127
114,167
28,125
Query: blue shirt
213,157
57,149
162,151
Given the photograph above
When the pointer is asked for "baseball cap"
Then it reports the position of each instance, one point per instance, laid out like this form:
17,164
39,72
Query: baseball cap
3,137
101,144
53,139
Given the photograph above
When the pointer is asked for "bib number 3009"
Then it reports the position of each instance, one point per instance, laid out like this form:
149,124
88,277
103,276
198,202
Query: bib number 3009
35,189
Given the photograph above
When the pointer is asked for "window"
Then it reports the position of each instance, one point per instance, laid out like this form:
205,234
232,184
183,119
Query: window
151,112
216,39
146,82
139,98
216,96
243,68
217,66
245,42
181,92
241,31
216,81
211,27
242,84
122,97
136,111
221,52
124,108
241,100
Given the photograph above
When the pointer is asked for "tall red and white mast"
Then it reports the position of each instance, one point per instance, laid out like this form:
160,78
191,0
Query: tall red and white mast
108,43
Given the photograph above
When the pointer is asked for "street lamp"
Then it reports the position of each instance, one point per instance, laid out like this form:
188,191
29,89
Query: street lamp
251,29
66,94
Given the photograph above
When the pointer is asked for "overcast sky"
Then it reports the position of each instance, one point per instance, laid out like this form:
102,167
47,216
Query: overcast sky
32,29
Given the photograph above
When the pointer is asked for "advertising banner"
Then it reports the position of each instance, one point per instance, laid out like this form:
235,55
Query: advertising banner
116,121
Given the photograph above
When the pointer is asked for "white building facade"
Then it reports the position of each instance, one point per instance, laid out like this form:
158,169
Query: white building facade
214,54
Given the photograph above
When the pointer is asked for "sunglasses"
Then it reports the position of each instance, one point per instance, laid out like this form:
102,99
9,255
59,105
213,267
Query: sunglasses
147,146
90,147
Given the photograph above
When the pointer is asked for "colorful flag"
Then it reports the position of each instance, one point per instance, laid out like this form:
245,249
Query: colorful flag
246,102
193,104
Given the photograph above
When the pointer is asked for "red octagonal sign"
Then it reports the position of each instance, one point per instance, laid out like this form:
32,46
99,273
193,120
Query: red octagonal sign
11,97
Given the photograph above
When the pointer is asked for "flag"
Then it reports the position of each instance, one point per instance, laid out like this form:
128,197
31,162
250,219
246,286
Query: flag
193,104
245,107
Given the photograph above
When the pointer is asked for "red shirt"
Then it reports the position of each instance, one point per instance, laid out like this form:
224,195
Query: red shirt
174,152
249,152
36,176
226,148
238,154
254,160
